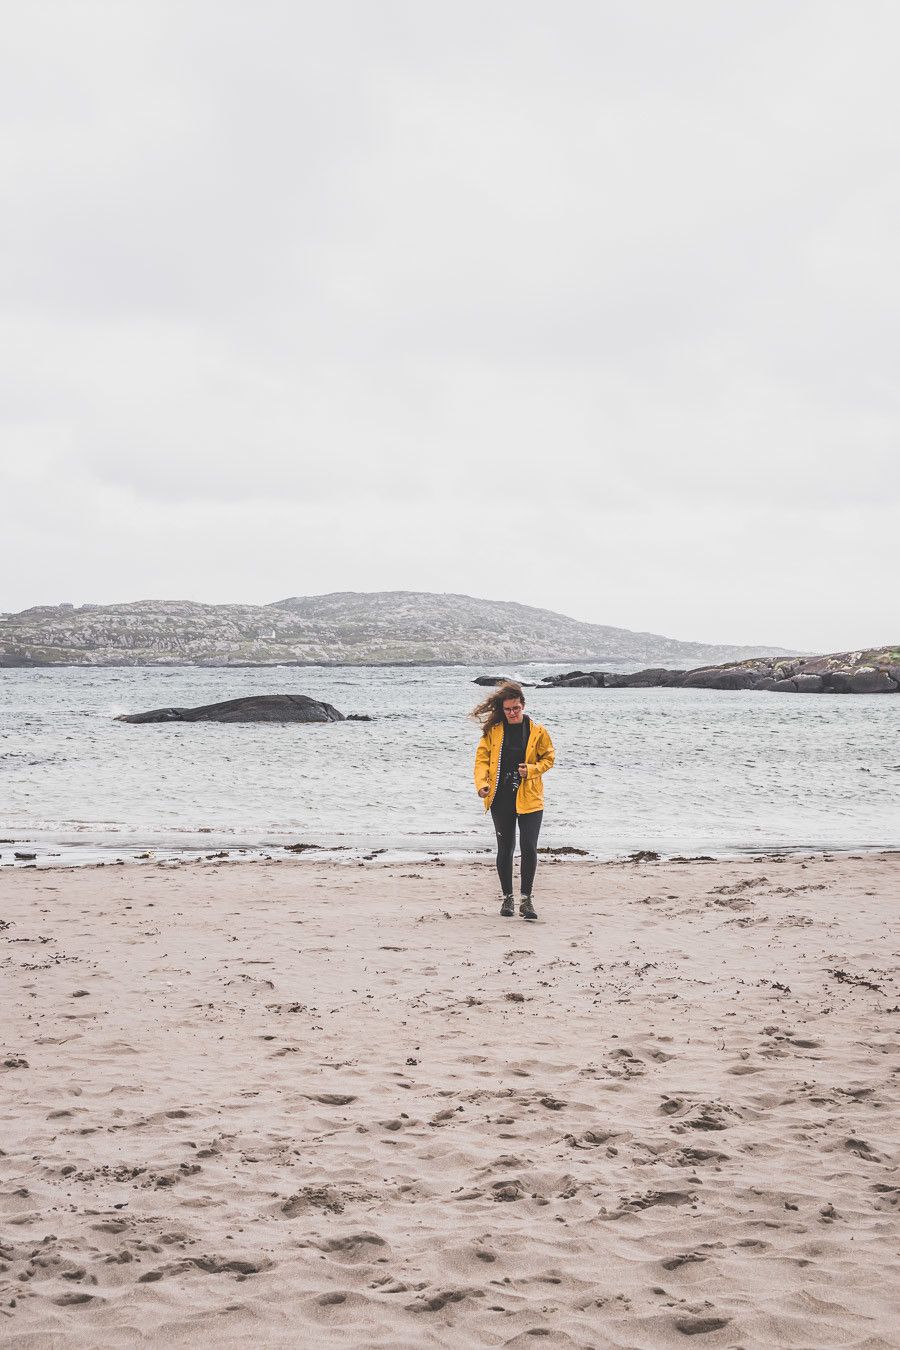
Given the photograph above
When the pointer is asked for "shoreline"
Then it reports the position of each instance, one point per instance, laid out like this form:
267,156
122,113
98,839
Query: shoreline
343,1106
71,856
640,661
311,665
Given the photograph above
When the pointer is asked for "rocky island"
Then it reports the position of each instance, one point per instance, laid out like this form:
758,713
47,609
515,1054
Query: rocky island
255,708
874,671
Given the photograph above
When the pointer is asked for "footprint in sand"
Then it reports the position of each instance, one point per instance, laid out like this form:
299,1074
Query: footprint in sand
210,1265
386,1284
690,1157
251,983
354,1248
698,1115
888,1197
312,1198
864,1151
700,1326
648,1200
111,1226
590,1138
504,1160
160,1180
441,1118
435,1302
683,1259
508,1190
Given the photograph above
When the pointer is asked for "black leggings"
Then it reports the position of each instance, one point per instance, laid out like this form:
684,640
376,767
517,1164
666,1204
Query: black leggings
504,814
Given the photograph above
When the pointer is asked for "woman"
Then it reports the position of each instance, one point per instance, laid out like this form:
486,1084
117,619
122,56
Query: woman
512,757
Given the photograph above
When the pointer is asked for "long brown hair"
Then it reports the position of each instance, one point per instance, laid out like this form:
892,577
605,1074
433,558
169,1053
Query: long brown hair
490,711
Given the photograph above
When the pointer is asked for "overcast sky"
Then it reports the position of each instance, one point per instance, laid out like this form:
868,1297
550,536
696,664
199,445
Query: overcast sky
590,305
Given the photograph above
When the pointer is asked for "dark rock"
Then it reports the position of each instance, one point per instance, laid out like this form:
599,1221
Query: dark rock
577,679
255,708
808,684
654,678
867,680
491,680
719,677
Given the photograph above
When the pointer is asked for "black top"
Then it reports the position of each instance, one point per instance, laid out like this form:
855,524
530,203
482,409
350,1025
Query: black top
512,755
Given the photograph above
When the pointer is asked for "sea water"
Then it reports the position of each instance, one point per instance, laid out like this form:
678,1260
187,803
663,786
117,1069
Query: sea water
672,770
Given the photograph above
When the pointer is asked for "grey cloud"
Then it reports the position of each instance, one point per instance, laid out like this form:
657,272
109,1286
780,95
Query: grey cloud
293,270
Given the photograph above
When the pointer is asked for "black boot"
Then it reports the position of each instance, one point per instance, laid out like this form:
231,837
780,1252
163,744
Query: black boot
507,909
527,909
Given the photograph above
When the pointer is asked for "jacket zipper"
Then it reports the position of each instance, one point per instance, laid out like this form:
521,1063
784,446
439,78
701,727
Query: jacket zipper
524,761
499,762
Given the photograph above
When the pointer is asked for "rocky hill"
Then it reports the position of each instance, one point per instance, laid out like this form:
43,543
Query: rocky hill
350,627
872,671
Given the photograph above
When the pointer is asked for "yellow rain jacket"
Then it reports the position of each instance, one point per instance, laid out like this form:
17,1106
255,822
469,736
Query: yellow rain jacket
539,756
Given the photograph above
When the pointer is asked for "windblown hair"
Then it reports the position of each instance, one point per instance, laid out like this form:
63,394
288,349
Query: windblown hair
490,711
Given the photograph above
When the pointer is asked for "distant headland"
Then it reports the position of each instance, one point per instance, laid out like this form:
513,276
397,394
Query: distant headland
344,628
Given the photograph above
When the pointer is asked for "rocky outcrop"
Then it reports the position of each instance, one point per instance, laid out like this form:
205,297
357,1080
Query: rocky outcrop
654,678
12,661
494,680
261,708
876,671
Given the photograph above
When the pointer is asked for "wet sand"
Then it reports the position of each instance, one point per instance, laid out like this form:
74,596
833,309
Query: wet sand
293,1103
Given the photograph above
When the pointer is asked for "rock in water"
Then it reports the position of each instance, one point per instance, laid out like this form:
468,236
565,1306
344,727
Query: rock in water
876,671
255,708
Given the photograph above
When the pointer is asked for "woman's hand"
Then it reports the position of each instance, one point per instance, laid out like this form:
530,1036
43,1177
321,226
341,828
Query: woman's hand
523,770
483,792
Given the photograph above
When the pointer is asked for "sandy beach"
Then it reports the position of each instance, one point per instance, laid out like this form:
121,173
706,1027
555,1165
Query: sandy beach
295,1103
